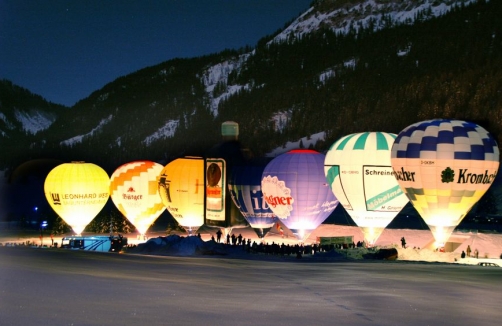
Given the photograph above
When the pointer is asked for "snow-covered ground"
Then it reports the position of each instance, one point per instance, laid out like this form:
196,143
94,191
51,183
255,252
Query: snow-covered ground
419,244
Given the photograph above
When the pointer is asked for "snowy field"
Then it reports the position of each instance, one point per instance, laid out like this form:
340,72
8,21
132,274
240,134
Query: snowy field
175,284
67,287
419,244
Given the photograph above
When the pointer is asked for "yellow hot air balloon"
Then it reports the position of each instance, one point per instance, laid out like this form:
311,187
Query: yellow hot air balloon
133,189
181,187
77,192
359,171
444,167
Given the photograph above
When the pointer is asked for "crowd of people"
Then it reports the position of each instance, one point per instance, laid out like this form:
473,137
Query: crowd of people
282,249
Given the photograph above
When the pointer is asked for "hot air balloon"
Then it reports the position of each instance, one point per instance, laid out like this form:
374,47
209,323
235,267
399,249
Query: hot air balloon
444,167
359,171
77,192
181,187
134,191
24,193
244,186
295,188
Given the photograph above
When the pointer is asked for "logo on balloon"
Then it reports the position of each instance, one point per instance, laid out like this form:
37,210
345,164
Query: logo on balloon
447,175
464,177
55,199
277,196
164,188
404,175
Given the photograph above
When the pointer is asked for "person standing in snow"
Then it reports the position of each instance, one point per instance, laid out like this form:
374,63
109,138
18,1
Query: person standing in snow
403,242
468,250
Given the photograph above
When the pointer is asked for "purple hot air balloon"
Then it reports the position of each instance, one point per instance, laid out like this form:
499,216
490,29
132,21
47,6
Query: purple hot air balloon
244,185
295,188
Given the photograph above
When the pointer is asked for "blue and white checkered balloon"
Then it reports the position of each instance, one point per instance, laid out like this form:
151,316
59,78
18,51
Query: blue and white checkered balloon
444,167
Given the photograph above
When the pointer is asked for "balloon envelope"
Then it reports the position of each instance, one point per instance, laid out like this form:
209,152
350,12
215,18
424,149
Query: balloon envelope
359,171
295,188
77,192
444,167
181,187
244,185
24,193
134,191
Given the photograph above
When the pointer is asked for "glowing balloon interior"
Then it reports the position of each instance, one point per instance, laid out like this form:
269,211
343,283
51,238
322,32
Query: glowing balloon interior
295,188
77,192
134,191
181,187
444,167
244,185
359,171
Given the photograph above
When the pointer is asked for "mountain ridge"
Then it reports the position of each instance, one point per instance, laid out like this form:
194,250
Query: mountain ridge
288,85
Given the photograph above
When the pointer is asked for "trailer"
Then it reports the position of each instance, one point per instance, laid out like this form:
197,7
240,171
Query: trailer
111,243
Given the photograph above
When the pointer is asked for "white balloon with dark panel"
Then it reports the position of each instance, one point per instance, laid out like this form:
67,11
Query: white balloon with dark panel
359,172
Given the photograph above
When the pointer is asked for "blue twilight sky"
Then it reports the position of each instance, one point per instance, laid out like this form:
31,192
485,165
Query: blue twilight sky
64,50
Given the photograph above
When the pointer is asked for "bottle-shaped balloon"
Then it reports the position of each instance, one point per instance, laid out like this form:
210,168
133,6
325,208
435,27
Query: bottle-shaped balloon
220,161
444,167
77,192
359,171
295,188
133,189
244,186
181,187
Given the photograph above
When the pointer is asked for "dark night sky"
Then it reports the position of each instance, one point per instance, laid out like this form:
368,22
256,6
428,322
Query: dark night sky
65,49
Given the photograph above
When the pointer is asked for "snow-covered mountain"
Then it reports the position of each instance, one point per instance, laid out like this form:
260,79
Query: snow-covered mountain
34,120
312,81
351,16
24,112
341,17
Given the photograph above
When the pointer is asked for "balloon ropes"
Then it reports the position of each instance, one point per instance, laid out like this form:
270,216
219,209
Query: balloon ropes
133,189
244,185
77,192
295,188
181,187
444,167
359,172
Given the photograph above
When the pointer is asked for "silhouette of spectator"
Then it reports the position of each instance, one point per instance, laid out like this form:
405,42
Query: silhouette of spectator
476,253
468,251
403,242
228,238
462,255
218,236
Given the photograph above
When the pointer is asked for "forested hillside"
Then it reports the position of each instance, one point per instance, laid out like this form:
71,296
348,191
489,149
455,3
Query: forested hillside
340,83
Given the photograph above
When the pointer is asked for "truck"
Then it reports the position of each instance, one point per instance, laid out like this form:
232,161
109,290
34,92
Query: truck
112,243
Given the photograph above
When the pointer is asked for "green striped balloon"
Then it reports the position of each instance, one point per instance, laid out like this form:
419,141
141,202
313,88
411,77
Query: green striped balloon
358,170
